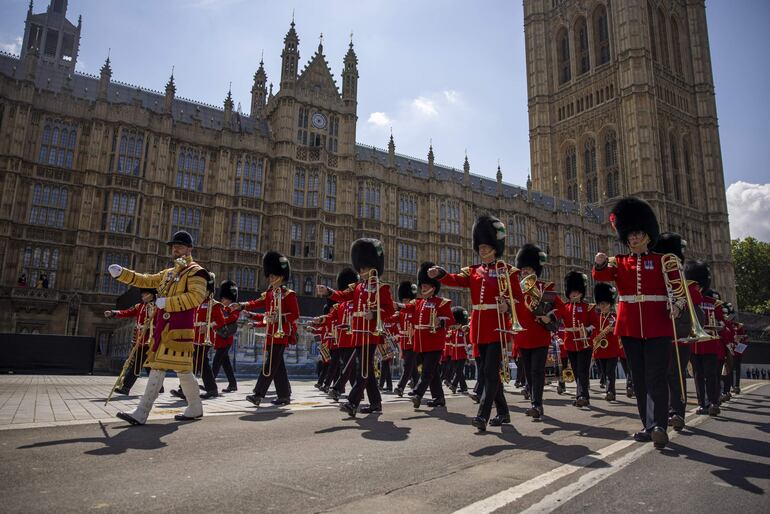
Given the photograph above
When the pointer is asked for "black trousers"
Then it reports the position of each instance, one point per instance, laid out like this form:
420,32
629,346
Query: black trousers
202,366
129,379
627,372
386,377
459,375
332,372
347,370
581,366
410,367
365,357
222,360
736,371
491,359
430,376
704,368
479,387
675,395
607,368
649,360
274,369
533,363
521,375
727,380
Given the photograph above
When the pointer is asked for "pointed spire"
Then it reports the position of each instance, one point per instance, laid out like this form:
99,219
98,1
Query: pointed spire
229,97
499,173
431,159
321,44
29,11
466,170
391,150
290,57
258,90
170,93
350,74
106,68
105,76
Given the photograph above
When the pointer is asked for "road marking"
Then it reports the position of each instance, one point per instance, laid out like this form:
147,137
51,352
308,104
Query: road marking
590,479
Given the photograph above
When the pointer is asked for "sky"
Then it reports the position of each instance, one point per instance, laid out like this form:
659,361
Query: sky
449,72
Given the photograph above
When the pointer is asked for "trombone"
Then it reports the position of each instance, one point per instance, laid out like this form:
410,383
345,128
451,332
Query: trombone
275,310
505,295
372,283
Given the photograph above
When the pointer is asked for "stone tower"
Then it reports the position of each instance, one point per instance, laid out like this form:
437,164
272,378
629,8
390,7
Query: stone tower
52,36
621,102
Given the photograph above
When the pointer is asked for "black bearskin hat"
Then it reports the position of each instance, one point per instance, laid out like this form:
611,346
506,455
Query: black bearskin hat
575,281
698,271
423,278
532,256
604,292
229,290
671,242
273,263
153,292
461,315
211,283
712,293
407,290
367,253
633,214
490,231
346,277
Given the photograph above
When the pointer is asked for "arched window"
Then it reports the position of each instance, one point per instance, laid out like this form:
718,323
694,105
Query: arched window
299,188
675,168
312,190
570,173
562,50
589,165
676,44
601,35
190,169
663,38
330,200
581,46
611,167
687,170
664,164
651,27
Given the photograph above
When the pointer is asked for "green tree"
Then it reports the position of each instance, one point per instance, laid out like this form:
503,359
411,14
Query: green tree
752,274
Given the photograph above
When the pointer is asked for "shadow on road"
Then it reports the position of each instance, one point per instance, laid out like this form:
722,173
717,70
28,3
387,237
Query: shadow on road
266,415
371,427
145,437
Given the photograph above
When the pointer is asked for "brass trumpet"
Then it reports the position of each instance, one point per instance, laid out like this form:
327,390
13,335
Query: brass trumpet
275,310
678,287
505,295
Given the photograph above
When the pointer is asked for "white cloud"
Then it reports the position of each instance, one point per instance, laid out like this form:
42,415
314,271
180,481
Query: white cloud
453,97
749,209
425,106
379,119
12,48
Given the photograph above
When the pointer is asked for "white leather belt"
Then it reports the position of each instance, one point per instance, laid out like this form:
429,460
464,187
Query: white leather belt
572,329
640,298
484,306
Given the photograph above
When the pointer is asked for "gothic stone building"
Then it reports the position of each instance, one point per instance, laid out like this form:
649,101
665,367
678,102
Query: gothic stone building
95,172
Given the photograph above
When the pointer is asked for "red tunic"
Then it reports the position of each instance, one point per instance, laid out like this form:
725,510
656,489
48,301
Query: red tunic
139,311
364,300
642,294
289,313
342,325
201,317
535,335
430,337
405,331
578,318
481,279
457,341
229,317
606,321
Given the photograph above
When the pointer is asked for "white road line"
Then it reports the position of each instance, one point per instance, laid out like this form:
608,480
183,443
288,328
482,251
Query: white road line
590,479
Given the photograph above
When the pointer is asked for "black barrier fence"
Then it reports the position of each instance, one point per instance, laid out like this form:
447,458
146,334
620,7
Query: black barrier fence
37,353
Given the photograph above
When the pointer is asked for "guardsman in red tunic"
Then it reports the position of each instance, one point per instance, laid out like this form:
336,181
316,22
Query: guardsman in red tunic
372,304
386,361
727,336
741,342
457,340
606,347
406,291
342,347
432,315
537,314
489,308
579,319
321,330
646,307
228,294
143,313
280,318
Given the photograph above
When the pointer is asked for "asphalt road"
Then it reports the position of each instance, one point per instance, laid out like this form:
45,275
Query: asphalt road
400,461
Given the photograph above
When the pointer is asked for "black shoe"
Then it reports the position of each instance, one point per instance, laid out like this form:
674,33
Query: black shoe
202,388
370,408
702,410
538,414
453,389
177,393
317,386
630,392
325,389
229,389
659,438
642,437
736,390
610,397
480,423
437,402
676,422
517,385
122,390
349,409
531,412
500,420
182,417
208,395
334,395
561,388
527,394
410,393
253,398
474,397
714,410
581,402
161,390
399,392
125,416
601,386
281,401
416,400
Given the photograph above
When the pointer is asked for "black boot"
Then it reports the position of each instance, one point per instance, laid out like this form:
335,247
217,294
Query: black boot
255,399
437,402
500,420
370,409
480,423
659,437
349,409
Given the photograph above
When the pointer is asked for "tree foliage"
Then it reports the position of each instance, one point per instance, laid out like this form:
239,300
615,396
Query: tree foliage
752,274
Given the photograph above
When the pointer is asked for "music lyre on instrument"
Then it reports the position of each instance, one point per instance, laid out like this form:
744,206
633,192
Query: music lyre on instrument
274,311
505,296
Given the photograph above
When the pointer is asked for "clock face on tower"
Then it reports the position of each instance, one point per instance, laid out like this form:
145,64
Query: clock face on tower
319,120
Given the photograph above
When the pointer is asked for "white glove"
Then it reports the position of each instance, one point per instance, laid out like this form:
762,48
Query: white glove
160,303
115,270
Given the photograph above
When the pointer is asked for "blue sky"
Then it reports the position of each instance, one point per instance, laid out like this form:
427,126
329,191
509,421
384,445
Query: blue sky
451,71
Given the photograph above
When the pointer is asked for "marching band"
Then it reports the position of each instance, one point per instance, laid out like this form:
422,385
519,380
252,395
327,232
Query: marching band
655,314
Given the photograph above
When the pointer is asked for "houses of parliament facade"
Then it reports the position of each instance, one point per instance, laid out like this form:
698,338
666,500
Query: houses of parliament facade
95,172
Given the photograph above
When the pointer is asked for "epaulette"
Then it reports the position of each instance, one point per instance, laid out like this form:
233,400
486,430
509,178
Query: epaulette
289,291
352,287
466,271
444,301
591,306
546,285
262,296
